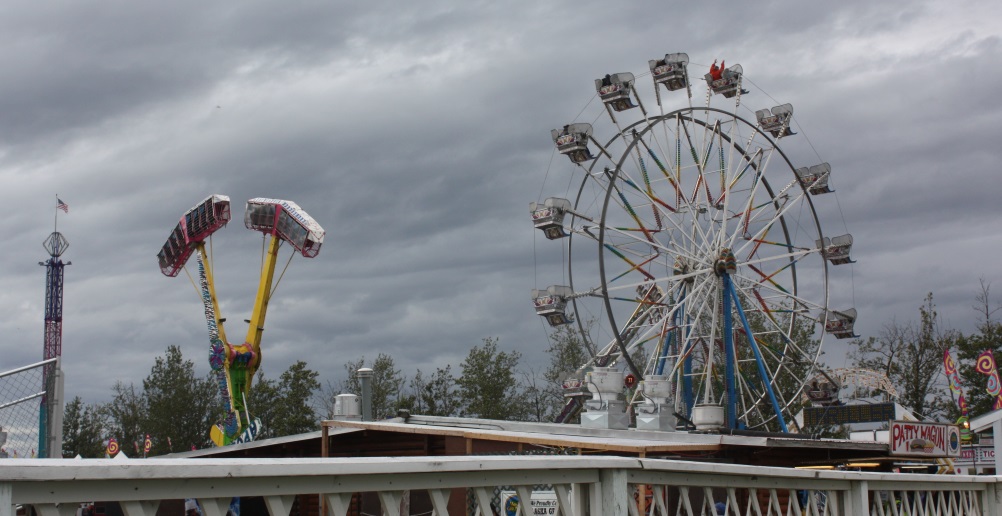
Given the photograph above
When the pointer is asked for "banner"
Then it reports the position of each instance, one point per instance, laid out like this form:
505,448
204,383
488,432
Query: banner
954,378
986,366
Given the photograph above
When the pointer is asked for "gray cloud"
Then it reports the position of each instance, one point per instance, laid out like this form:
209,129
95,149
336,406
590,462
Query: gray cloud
417,135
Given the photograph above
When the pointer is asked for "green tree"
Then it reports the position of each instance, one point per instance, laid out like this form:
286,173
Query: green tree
987,338
83,430
295,413
180,406
539,404
387,385
126,415
285,406
488,387
912,359
435,395
569,352
264,402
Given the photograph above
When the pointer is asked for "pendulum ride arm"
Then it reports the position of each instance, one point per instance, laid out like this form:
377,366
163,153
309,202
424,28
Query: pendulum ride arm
256,328
200,249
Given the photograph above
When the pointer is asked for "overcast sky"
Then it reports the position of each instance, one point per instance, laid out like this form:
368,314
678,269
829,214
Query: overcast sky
416,134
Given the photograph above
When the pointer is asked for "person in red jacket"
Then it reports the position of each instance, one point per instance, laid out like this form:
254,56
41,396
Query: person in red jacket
717,72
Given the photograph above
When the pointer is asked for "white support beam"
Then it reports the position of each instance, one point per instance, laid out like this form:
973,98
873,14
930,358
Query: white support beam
659,499
62,509
857,499
278,505
524,500
137,508
390,500
991,502
564,500
613,492
339,503
215,506
6,504
633,509
997,445
484,500
439,501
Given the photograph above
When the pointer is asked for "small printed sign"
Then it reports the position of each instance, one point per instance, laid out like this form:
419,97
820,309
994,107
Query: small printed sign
929,440
544,503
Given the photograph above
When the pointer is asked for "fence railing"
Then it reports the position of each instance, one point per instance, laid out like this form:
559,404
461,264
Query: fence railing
580,485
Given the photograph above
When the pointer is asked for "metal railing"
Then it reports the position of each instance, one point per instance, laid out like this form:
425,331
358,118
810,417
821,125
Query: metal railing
581,485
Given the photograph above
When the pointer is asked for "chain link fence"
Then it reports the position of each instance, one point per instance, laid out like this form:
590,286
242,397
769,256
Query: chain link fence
21,393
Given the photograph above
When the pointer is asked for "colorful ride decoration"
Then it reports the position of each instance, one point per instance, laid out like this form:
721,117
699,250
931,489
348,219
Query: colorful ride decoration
953,377
112,448
986,366
235,364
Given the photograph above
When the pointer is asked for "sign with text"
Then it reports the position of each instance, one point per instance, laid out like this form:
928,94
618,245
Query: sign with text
930,440
544,503
848,414
971,455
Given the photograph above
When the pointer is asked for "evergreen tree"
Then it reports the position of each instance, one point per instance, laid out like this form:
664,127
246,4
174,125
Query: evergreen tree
488,387
387,384
294,412
264,402
83,430
180,406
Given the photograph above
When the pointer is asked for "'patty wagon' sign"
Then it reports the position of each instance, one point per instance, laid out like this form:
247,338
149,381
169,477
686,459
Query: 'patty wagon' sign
931,440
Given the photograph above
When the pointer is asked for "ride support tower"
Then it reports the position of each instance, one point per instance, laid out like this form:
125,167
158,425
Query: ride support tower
50,414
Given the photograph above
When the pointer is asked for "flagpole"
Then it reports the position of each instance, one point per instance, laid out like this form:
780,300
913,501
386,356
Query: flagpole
55,217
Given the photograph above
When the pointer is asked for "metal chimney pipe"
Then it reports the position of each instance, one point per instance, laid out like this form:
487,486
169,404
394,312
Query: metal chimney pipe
364,376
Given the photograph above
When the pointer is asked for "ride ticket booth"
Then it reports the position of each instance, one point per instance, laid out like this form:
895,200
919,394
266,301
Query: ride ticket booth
987,447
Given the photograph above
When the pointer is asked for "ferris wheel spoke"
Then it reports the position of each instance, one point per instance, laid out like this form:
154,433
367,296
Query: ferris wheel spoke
767,226
793,350
623,247
785,298
681,198
699,299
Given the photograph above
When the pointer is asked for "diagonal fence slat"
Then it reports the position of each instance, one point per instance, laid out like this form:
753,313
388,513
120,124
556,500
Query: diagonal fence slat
579,484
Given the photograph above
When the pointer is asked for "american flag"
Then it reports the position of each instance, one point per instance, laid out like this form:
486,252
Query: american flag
62,205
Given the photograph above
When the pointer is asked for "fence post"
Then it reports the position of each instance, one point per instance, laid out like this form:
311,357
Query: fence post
990,502
6,504
613,493
857,498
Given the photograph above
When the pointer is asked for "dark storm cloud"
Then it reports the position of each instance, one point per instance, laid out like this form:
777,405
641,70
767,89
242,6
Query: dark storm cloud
416,134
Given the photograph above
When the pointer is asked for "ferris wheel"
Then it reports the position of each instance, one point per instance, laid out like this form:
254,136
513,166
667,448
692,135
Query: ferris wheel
695,257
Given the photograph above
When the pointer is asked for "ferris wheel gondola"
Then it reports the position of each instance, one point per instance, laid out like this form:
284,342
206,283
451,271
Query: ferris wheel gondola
711,276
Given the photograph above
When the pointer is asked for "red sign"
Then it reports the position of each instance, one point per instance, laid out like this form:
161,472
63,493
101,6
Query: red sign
914,439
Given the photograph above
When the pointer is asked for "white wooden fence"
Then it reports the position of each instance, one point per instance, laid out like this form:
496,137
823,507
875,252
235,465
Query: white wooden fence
583,485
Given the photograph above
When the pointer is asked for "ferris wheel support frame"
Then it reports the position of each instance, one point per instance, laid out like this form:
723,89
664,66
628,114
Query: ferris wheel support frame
613,177
731,293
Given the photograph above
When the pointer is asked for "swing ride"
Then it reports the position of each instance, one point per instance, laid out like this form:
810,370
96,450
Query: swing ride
234,365
711,277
